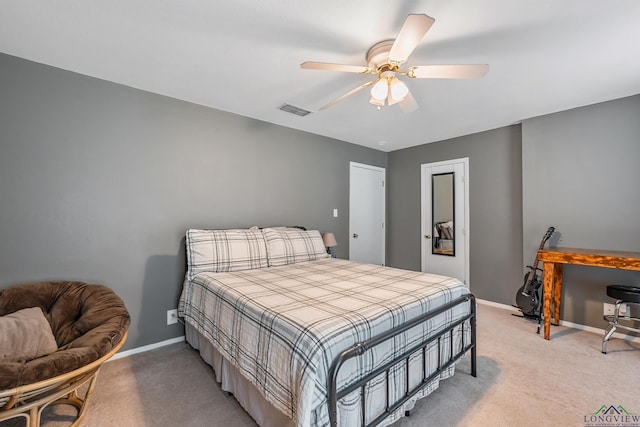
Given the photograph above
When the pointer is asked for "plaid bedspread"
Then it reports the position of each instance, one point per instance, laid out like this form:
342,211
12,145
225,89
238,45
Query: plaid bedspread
283,326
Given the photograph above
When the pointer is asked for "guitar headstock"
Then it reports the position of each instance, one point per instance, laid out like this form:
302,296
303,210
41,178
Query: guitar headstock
548,234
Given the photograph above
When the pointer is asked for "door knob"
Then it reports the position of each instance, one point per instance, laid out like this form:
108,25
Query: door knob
355,236
427,236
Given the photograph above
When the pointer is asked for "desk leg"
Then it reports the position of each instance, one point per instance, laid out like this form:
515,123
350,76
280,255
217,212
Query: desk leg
557,291
547,291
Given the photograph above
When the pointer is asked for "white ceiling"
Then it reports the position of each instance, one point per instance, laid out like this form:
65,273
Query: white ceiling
244,57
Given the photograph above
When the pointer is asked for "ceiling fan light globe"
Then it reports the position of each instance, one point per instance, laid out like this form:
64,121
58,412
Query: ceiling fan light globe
380,90
398,89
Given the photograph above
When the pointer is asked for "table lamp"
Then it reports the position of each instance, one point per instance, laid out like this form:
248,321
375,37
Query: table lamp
329,241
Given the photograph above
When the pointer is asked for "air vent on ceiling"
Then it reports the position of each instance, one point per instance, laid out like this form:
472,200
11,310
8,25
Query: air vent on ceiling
294,110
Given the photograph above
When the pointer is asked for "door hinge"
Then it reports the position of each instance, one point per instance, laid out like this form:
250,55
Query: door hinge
382,183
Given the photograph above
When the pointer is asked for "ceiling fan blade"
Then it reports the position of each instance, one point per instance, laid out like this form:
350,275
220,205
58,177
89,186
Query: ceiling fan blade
393,101
351,92
378,102
412,31
335,67
471,71
408,104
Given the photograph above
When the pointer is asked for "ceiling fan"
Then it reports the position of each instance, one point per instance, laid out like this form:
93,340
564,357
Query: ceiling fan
384,60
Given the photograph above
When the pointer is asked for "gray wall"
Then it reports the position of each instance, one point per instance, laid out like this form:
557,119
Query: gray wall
98,183
581,174
495,208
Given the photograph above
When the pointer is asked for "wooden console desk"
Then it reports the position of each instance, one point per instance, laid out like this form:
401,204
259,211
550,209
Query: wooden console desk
554,260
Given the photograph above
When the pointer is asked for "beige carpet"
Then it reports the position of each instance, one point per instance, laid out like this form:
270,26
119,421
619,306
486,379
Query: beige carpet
522,380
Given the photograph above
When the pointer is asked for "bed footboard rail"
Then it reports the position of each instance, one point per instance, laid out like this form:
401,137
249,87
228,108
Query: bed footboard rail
360,348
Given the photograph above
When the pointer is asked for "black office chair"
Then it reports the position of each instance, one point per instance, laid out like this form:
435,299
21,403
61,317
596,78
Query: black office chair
624,295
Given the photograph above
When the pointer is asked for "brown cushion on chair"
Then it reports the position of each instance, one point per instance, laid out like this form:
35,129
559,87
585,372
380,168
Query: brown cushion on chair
87,322
25,335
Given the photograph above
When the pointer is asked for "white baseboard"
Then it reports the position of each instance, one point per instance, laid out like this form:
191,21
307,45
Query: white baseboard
497,305
578,326
144,348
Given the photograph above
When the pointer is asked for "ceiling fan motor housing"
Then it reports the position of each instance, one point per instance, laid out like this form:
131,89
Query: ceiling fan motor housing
378,55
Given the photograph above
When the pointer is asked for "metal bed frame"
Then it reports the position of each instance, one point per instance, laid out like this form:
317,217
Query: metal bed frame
360,348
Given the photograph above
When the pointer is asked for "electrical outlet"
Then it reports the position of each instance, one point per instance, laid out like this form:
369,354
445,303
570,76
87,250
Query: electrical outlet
609,309
624,310
172,316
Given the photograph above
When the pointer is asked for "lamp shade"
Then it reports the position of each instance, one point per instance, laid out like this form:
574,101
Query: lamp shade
329,240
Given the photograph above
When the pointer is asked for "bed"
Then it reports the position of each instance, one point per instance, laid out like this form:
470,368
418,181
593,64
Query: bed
303,339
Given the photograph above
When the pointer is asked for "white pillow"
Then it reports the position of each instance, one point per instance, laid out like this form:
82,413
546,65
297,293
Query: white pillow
224,250
293,245
25,335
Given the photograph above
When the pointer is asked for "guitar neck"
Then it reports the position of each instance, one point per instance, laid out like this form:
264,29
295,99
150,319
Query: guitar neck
536,261
534,267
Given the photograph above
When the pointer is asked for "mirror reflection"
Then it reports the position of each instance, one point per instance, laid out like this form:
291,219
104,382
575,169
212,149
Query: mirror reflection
442,192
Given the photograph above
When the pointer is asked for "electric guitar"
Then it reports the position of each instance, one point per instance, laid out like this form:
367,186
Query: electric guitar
527,299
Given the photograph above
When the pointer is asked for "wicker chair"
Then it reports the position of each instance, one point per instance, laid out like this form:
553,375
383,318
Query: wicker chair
89,323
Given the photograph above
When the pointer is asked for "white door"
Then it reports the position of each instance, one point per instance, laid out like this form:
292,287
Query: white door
445,218
366,213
